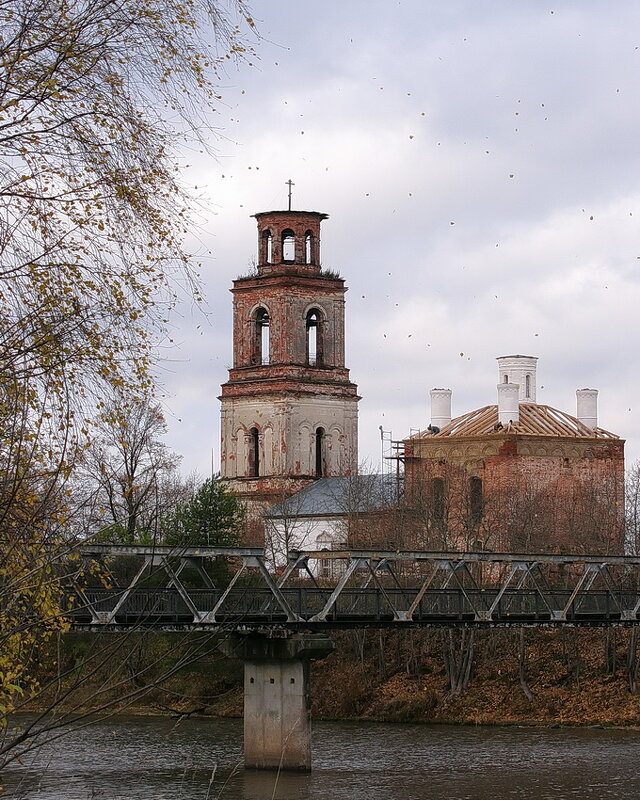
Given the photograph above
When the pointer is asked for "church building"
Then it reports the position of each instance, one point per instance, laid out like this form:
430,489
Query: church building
517,475
289,412
513,476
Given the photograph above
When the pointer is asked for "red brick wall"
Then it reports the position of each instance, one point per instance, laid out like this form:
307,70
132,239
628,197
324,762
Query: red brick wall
300,222
287,298
571,500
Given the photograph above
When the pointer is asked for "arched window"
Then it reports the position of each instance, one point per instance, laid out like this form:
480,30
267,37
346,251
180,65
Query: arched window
506,379
266,256
314,338
476,503
527,386
437,499
319,452
261,353
254,453
308,247
288,245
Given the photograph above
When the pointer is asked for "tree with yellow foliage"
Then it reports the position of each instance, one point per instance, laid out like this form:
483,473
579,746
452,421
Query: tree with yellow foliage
96,96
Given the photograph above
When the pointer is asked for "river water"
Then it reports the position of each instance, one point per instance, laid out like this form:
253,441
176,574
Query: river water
150,758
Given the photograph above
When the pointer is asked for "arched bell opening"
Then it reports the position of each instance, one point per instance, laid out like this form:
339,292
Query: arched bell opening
308,248
288,245
261,343
314,338
266,247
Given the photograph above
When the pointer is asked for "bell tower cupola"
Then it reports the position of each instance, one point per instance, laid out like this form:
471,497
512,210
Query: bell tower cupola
289,410
289,240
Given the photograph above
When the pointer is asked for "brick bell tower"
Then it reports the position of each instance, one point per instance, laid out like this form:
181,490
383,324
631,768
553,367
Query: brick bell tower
289,411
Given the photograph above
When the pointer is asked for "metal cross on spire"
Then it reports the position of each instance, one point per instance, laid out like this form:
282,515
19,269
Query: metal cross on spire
289,183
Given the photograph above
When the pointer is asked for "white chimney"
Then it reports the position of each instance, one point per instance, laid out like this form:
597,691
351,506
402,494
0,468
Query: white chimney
587,407
508,404
440,407
520,370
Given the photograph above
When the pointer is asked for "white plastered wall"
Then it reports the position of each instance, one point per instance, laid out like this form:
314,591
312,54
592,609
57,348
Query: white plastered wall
287,430
306,533
519,370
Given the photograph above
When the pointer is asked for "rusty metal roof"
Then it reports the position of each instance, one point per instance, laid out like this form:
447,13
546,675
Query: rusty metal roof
535,420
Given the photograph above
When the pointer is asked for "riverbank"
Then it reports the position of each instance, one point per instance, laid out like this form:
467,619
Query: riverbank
531,677
577,677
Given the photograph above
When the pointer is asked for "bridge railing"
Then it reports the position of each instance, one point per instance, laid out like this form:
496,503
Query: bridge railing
153,607
368,588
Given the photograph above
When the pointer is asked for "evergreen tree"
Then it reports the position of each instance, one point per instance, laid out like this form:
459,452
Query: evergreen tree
213,517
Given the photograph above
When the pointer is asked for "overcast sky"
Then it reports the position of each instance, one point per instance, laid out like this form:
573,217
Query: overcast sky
479,162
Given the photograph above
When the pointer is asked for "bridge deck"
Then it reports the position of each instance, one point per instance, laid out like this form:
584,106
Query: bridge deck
355,608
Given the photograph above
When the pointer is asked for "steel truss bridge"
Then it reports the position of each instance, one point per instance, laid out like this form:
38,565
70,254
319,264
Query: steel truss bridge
119,587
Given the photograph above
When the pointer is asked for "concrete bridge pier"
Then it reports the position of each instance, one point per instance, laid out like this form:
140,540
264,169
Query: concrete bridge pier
277,697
